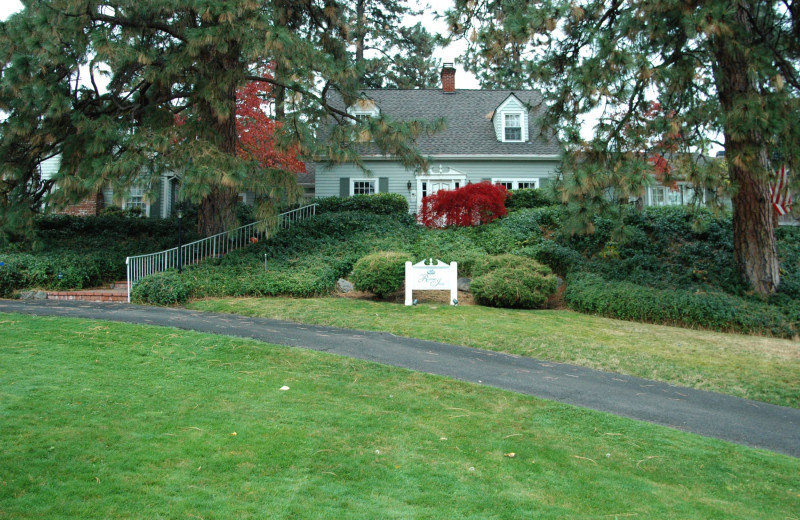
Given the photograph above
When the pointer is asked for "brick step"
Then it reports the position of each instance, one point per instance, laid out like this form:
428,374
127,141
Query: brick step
92,295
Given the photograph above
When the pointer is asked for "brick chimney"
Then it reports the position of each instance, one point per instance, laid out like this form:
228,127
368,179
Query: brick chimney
448,78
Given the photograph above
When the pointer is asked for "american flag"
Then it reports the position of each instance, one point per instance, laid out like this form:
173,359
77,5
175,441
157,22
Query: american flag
779,192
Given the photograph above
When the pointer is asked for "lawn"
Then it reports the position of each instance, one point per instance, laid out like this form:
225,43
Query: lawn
106,420
764,369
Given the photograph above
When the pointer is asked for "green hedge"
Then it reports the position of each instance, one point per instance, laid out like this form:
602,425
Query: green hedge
528,198
590,293
380,273
168,288
52,271
378,204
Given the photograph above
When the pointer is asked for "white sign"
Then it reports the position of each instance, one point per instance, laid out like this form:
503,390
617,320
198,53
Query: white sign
432,276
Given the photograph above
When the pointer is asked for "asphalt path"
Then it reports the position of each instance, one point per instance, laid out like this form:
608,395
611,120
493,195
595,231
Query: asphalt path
733,419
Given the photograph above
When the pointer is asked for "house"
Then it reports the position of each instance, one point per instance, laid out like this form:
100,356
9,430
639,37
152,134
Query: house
161,205
489,135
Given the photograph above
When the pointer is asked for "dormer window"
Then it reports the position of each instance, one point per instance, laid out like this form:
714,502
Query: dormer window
510,121
512,127
363,109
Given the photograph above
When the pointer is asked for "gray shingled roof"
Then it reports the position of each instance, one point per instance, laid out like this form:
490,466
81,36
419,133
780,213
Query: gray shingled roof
468,119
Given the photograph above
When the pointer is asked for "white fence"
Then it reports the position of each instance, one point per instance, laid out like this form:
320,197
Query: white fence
210,247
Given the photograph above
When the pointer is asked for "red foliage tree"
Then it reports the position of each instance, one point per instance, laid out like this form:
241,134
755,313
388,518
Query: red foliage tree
470,205
256,130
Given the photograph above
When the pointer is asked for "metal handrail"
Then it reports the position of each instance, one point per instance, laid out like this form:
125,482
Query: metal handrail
214,246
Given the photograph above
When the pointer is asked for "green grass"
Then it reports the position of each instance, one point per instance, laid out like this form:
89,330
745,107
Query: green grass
764,369
105,420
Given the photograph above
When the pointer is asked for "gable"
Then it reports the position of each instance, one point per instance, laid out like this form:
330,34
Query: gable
508,112
364,106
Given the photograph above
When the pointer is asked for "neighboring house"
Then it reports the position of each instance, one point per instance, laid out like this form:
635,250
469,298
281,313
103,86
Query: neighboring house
489,135
160,205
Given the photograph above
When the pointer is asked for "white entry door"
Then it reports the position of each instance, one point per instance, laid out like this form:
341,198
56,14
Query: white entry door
436,185
433,182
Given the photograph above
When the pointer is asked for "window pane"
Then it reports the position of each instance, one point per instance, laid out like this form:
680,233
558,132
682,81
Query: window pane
527,184
513,127
513,134
363,187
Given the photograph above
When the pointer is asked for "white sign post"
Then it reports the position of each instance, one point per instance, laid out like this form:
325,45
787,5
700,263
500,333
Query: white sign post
432,277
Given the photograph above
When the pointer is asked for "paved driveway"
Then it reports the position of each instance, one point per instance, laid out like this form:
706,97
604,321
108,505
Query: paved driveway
724,417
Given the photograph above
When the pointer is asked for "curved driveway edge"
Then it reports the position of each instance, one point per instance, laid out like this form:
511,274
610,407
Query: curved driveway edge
733,419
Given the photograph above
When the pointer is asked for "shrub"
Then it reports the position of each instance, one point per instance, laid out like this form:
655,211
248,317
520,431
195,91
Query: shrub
521,286
491,263
712,310
381,273
167,288
469,205
528,199
560,259
10,278
378,204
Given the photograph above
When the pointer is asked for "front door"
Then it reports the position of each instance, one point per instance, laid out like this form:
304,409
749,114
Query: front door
433,182
436,185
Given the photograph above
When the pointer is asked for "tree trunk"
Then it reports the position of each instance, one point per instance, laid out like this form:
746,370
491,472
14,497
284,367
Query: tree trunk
754,245
360,30
217,212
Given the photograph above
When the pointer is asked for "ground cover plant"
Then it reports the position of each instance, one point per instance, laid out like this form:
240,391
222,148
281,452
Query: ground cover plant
759,368
688,254
205,431
70,252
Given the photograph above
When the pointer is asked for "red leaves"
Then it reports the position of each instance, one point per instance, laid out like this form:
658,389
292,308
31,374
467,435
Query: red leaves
256,130
471,205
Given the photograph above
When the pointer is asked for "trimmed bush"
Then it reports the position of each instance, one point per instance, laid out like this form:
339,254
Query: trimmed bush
378,204
168,288
592,294
380,273
521,286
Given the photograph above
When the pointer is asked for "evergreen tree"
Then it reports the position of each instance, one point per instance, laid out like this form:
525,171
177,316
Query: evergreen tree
389,54
716,68
168,61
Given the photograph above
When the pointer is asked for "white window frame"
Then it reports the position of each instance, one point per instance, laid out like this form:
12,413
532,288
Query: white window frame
520,118
143,203
373,182
515,182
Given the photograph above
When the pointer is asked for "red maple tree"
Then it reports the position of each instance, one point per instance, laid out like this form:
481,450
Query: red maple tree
470,205
256,130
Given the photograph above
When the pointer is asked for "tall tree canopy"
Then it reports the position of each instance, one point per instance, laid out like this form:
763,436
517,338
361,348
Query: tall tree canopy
716,68
182,59
389,53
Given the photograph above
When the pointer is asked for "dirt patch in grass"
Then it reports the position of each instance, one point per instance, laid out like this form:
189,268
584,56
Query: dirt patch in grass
441,297
556,301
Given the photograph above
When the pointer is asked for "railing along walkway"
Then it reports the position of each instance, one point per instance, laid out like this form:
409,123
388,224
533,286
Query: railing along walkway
211,247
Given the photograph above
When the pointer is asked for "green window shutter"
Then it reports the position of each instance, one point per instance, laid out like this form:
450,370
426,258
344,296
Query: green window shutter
383,184
344,186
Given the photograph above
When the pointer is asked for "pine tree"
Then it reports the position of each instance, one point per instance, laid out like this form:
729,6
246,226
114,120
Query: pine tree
388,53
183,59
716,68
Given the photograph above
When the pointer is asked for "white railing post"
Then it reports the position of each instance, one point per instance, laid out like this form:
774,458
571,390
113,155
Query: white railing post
128,276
